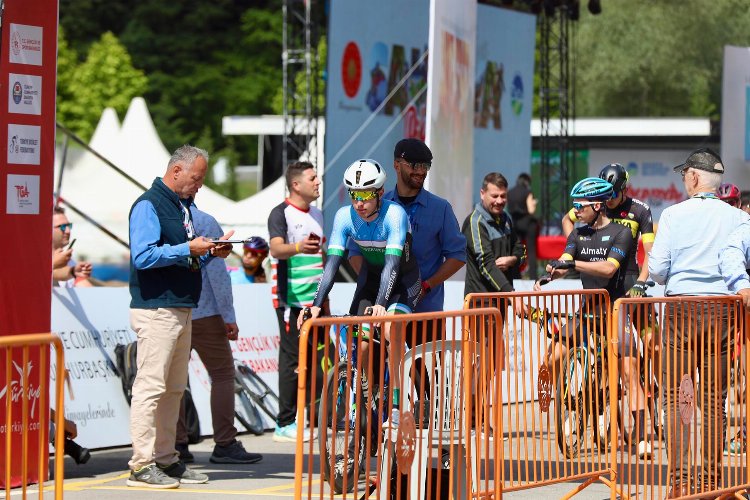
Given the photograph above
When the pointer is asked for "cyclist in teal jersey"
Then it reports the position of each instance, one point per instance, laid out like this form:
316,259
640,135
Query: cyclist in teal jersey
389,280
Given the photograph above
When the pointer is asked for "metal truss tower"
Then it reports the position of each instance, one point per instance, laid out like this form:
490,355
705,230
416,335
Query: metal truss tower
557,106
299,63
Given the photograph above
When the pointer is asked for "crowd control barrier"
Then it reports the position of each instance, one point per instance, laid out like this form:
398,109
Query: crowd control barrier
26,408
548,404
357,453
683,370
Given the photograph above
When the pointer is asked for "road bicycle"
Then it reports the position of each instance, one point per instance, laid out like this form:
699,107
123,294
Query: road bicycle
252,394
582,391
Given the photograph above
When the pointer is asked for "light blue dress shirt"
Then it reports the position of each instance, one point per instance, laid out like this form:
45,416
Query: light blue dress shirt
734,259
685,255
216,294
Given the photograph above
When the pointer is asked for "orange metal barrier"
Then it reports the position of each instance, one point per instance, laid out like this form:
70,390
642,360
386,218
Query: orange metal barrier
428,454
684,403
20,392
547,405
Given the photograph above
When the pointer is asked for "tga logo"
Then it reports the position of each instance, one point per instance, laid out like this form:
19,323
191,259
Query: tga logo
17,92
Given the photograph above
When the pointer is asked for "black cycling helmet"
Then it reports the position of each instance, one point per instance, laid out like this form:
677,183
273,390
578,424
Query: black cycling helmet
615,174
256,244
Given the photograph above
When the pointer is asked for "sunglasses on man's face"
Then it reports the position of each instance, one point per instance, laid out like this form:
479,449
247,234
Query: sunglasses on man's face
578,206
65,227
422,165
362,195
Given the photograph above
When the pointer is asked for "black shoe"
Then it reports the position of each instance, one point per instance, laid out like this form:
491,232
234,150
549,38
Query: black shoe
234,453
77,452
185,455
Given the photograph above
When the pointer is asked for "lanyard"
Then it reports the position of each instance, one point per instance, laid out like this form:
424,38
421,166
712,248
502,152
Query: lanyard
705,195
187,222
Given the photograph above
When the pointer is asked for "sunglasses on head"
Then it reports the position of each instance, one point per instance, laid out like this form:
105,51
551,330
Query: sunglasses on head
65,227
579,205
362,195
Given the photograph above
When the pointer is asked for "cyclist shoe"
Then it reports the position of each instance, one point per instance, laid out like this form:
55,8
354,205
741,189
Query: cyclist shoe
185,455
644,450
233,453
151,476
288,434
178,471
737,445
394,420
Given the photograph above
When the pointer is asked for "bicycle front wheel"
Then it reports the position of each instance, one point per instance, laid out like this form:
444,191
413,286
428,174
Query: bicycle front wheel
259,391
570,398
339,433
245,410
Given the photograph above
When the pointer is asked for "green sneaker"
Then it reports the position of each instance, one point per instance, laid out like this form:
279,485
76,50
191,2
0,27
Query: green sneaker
151,476
737,445
179,471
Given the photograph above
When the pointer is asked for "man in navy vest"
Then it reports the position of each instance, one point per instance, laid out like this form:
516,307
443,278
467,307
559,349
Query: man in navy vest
165,284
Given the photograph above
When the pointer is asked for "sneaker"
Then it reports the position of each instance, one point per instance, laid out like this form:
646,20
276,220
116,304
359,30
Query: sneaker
737,445
178,471
394,420
151,476
233,453
288,434
644,450
185,456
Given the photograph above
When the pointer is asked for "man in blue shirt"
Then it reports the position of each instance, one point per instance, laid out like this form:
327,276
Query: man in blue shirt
214,325
166,256
685,258
438,243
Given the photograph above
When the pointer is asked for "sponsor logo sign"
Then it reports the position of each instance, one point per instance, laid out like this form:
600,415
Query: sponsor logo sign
22,196
25,44
25,95
23,144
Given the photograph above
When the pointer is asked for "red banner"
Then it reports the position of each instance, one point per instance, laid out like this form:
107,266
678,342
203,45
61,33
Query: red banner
28,63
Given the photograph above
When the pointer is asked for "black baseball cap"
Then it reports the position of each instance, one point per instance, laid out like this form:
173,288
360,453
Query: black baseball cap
412,150
703,159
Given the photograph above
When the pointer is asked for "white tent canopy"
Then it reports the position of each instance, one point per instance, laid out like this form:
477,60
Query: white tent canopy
104,195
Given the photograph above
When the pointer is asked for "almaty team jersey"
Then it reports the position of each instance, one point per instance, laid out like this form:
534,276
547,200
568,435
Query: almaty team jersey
635,215
387,234
295,279
612,243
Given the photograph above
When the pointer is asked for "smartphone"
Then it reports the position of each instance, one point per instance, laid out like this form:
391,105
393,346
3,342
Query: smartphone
218,241
72,242
314,237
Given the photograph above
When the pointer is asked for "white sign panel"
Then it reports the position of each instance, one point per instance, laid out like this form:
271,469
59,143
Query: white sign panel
735,116
450,100
24,94
22,194
23,144
25,44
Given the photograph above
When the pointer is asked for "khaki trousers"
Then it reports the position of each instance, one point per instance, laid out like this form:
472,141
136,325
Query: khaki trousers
163,353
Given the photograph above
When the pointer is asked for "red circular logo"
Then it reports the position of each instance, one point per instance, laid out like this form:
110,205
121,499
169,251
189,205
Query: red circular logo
351,69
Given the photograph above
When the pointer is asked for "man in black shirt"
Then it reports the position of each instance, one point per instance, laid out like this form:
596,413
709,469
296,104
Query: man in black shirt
522,205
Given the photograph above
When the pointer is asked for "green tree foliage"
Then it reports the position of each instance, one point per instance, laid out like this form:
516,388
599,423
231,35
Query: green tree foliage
105,79
317,82
647,58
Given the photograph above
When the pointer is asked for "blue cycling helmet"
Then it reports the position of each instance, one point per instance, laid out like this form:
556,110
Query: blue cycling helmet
256,244
592,188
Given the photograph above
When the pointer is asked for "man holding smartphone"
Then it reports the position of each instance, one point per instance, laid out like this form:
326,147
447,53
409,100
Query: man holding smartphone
294,228
65,271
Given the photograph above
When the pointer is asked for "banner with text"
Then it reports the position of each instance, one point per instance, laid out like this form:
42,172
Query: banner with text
735,116
504,93
450,100
377,76
27,114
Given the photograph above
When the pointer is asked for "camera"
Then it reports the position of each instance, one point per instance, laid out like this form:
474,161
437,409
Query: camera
77,452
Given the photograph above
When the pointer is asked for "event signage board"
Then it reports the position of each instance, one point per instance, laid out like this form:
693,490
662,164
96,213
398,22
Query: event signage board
735,116
27,76
368,62
450,100
504,93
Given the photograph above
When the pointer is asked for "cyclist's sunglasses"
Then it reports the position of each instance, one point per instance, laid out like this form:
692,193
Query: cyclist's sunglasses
65,227
579,206
362,195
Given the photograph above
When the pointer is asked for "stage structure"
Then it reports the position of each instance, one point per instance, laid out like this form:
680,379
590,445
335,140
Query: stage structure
299,65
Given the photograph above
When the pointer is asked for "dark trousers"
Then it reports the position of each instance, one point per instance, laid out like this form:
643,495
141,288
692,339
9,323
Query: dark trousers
527,228
697,337
289,360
